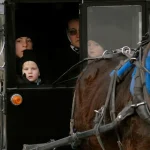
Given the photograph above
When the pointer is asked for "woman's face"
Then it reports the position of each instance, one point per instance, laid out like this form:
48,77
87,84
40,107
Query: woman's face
94,49
31,70
23,43
73,33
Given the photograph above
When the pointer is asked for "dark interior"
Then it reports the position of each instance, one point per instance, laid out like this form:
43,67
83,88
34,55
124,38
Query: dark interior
47,23
44,114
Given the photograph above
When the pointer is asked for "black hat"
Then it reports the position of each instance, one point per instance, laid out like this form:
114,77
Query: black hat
23,30
28,55
97,38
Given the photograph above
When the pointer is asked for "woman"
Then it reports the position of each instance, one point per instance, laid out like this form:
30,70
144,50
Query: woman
70,55
73,34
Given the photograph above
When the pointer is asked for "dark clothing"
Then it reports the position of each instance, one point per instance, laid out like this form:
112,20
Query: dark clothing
66,59
18,66
72,59
22,80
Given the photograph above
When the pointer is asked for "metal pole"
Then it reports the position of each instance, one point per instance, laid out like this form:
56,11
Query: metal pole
68,140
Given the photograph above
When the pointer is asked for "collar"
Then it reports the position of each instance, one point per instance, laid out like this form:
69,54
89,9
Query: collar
38,81
75,49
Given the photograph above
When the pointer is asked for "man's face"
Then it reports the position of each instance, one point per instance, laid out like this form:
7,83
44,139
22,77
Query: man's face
31,70
22,43
94,49
73,33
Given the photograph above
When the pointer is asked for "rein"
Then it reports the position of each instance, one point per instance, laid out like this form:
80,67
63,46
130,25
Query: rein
106,55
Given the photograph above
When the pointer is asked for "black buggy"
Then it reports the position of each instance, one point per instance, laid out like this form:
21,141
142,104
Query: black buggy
44,112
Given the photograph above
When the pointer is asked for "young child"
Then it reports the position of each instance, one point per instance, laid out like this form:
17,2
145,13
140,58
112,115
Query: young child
30,68
94,49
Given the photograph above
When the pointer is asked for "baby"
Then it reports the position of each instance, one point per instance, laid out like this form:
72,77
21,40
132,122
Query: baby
30,68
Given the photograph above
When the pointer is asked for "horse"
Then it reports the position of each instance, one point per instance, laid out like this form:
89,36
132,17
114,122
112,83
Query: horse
90,95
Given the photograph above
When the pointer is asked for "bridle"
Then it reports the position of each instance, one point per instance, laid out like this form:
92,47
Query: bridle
139,103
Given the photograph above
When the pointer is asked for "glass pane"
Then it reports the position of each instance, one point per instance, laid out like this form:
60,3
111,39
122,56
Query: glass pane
2,88
112,27
2,42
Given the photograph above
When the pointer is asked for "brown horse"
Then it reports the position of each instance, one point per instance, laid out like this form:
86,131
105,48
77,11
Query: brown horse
90,94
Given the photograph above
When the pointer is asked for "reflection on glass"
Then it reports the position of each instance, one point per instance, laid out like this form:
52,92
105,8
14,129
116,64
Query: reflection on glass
2,41
94,49
114,26
2,89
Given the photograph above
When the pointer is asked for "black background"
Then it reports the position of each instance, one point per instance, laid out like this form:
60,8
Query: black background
47,23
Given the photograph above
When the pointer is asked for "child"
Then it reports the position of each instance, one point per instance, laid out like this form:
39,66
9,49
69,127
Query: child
24,40
94,49
30,68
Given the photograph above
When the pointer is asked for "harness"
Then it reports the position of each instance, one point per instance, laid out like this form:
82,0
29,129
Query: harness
139,105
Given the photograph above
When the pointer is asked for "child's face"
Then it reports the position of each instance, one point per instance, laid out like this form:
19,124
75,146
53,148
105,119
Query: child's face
31,70
22,43
94,49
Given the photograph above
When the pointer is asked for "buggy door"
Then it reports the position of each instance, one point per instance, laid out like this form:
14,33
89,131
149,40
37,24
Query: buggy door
44,113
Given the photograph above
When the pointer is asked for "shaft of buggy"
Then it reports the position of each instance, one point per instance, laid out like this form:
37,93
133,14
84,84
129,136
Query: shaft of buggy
68,140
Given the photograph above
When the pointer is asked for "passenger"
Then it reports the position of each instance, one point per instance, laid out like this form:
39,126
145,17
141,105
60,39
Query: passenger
73,51
69,56
23,41
30,68
73,34
94,49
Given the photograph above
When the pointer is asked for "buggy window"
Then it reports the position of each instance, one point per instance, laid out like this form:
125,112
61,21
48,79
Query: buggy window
115,26
46,23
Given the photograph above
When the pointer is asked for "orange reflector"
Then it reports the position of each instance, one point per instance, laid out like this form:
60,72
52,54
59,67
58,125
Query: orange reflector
16,99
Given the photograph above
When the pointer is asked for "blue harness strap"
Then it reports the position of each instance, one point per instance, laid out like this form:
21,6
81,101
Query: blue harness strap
147,75
123,70
133,81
